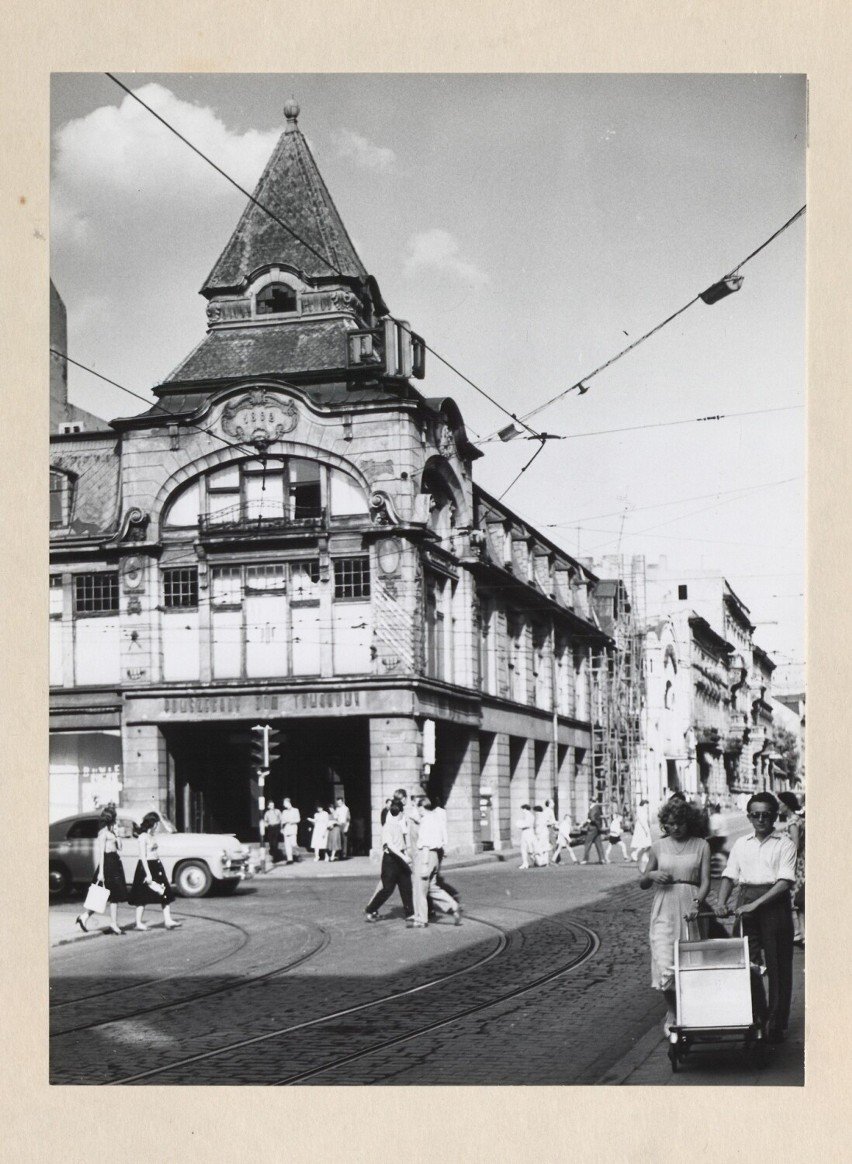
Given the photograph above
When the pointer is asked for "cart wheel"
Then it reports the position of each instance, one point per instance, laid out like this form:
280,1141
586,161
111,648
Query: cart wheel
673,1058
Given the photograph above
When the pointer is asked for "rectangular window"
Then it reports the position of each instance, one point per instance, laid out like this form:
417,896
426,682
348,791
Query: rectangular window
304,578
270,577
352,577
180,587
226,586
682,593
55,595
96,593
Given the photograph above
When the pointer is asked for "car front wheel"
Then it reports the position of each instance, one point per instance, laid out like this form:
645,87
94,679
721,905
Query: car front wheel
59,881
193,879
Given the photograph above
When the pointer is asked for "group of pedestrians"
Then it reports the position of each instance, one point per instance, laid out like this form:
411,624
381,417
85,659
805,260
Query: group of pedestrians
761,871
414,840
544,839
151,884
329,832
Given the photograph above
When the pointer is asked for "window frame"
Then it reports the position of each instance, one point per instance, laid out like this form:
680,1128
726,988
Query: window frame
66,497
341,581
169,581
107,581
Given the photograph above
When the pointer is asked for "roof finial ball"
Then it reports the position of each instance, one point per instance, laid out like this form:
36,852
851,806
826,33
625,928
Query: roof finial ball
291,112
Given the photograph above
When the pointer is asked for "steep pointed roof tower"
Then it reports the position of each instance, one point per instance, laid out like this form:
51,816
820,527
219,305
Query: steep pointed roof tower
293,190
288,296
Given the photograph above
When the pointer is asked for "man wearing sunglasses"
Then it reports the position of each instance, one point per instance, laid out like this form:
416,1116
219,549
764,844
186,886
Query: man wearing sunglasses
763,866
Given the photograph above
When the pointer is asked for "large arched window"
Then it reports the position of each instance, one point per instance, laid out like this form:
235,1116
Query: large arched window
280,491
276,299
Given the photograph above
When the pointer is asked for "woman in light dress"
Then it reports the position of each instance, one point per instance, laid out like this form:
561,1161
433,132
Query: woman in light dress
333,842
109,871
563,839
640,842
679,870
319,836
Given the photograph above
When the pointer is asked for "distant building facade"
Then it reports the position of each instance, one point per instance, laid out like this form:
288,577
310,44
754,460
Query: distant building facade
292,535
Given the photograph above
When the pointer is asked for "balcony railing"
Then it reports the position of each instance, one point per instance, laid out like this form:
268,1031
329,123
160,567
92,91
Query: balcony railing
251,518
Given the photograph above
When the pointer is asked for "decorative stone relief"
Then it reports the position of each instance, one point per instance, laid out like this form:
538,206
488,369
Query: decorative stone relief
228,311
373,470
259,418
134,526
382,509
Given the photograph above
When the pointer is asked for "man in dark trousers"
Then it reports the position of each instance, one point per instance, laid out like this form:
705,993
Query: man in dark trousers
763,866
594,828
396,869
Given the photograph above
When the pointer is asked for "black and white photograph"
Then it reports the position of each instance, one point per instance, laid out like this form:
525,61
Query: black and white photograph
427,498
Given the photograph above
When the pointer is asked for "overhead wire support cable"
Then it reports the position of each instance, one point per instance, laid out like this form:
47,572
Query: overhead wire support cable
228,178
581,385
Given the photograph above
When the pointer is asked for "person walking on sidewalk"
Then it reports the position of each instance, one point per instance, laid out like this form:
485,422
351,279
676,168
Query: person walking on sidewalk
615,837
679,870
290,820
150,883
344,818
272,830
594,828
396,865
335,837
431,842
108,870
526,826
541,838
563,839
796,832
641,840
763,866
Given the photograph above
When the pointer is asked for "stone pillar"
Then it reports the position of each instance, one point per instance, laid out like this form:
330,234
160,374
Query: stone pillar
462,794
521,779
542,772
563,778
582,782
494,773
396,761
145,770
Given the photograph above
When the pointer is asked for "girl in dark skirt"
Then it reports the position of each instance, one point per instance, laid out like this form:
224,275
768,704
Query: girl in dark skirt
108,870
150,883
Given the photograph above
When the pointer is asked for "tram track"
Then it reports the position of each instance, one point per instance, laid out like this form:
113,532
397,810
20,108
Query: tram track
244,983
590,945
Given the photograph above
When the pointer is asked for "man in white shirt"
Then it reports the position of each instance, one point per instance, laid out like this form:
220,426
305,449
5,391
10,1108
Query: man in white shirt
763,865
396,867
343,817
431,842
526,825
290,818
272,830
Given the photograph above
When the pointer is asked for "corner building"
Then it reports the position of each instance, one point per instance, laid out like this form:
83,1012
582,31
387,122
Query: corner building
292,536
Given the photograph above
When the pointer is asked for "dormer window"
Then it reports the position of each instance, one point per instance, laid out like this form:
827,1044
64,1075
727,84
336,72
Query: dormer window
276,299
60,500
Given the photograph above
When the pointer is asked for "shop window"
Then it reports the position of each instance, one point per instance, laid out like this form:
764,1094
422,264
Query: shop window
352,577
60,500
180,587
276,299
96,593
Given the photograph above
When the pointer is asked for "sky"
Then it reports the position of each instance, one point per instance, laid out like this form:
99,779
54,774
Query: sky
529,227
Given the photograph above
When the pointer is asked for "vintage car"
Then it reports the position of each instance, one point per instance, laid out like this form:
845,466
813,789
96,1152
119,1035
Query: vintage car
195,863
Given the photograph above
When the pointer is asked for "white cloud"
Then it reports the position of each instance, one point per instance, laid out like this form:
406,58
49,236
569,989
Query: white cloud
438,250
364,153
122,152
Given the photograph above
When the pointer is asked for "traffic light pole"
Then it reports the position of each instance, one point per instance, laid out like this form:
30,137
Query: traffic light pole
263,751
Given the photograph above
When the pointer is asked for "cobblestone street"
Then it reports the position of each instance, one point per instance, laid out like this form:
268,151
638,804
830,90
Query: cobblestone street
284,983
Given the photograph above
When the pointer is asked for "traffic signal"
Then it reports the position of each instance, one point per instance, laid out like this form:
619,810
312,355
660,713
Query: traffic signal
265,745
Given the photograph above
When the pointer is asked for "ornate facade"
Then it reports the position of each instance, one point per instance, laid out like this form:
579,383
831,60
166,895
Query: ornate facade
292,535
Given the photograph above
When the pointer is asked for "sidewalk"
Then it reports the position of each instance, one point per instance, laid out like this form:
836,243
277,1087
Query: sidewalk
308,868
648,1063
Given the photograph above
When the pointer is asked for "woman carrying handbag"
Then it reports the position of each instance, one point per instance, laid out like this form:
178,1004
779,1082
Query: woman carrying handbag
150,883
109,874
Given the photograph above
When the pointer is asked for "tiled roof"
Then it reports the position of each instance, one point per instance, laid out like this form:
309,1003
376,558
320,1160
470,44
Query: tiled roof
265,351
291,187
95,470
